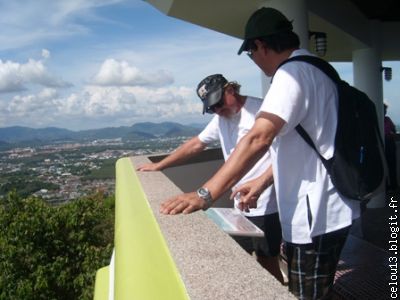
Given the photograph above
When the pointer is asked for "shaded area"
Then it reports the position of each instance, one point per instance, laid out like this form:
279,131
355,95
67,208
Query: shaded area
363,271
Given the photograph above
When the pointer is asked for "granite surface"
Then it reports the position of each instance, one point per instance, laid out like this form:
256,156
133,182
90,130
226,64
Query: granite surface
211,264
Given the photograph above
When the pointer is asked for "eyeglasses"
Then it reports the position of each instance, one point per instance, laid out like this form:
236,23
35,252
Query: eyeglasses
251,48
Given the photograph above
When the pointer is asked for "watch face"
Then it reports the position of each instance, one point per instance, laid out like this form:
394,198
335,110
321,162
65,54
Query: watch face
206,196
203,192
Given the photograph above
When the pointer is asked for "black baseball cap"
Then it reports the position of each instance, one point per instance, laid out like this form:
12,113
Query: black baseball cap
264,22
210,90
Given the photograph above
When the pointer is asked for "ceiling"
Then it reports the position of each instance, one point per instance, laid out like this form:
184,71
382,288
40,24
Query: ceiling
382,10
350,25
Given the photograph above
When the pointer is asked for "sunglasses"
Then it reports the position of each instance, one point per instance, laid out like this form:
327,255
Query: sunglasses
251,48
213,108
250,53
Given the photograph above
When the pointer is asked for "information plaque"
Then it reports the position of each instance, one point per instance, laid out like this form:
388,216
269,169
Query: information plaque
233,222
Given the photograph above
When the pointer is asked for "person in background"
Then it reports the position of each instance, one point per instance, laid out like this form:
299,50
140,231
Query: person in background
234,116
390,149
315,218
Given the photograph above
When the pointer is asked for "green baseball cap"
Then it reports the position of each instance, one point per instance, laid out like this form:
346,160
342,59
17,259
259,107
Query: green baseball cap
263,22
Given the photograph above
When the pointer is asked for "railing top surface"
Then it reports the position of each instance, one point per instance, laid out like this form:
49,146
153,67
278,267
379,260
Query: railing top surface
211,264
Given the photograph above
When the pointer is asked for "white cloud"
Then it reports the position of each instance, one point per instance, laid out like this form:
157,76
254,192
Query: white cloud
192,59
45,53
133,102
16,76
121,73
35,110
103,106
48,93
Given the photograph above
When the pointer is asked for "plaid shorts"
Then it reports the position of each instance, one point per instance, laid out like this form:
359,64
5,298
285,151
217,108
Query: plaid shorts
312,267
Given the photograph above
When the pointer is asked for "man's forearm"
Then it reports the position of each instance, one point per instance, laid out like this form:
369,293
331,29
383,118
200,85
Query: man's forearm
182,153
267,178
246,154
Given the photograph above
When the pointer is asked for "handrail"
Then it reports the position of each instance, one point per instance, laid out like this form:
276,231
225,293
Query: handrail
101,285
144,268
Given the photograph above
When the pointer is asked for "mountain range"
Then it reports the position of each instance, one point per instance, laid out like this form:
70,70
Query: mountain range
145,130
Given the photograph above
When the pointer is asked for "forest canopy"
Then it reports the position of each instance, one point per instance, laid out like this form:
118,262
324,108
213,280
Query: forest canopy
53,252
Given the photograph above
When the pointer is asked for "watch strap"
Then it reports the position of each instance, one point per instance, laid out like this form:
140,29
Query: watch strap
204,194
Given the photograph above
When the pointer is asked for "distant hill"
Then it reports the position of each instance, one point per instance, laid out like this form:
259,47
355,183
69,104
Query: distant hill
138,135
165,129
145,130
19,134
3,144
102,133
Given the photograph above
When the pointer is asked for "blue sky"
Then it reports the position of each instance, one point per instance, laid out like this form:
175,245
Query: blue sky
98,63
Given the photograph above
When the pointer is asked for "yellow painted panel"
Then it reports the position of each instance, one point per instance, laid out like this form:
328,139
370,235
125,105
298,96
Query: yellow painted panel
144,268
101,285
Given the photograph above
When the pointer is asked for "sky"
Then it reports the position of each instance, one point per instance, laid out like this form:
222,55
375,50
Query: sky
85,64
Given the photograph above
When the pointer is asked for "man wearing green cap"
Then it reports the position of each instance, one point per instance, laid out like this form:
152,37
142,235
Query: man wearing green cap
315,218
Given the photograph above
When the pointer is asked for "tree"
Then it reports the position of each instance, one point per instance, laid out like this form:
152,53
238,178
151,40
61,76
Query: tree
53,252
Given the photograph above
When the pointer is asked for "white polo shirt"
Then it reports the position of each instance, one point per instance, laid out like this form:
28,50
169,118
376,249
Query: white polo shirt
301,93
229,131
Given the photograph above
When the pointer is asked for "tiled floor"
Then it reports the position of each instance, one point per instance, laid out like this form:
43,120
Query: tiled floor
363,271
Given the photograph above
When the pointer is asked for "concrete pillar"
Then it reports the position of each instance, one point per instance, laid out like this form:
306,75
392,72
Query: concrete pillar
295,10
367,77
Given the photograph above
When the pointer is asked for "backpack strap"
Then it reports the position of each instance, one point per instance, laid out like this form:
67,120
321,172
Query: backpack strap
301,131
329,71
317,62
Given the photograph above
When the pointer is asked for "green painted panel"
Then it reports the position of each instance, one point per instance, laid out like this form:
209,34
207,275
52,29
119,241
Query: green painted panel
144,268
101,285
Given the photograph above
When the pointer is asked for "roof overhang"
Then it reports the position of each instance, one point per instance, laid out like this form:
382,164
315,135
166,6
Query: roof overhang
347,27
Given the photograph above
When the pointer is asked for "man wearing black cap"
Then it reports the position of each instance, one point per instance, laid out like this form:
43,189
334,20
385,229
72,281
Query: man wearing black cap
234,116
315,218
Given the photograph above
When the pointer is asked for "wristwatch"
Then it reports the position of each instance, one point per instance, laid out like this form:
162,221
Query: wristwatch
204,194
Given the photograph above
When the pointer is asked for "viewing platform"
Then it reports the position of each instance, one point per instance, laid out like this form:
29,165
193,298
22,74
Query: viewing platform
188,257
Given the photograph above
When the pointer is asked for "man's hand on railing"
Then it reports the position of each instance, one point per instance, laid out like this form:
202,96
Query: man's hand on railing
183,203
149,167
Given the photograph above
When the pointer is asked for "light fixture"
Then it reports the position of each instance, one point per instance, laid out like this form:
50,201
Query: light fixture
387,73
320,42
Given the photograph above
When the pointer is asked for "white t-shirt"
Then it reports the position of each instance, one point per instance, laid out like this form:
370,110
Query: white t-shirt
229,131
300,178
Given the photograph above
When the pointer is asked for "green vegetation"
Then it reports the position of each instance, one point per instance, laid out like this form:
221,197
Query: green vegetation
53,252
25,186
106,171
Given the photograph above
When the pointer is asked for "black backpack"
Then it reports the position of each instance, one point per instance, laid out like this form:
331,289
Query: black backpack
358,166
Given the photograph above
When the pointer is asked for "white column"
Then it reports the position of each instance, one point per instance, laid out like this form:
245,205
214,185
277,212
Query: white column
296,11
367,77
